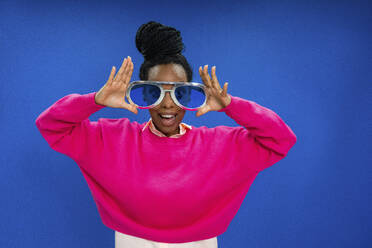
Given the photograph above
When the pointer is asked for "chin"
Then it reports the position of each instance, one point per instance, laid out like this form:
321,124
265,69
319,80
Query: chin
167,125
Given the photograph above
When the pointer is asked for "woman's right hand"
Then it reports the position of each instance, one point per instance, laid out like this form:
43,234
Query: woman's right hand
113,93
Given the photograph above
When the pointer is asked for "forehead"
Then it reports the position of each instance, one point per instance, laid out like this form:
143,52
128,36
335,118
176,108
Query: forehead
168,72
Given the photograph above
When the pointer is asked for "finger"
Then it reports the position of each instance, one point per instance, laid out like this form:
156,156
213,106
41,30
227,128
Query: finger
118,75
134,109
111,75
123,73
127,74
130,107
202,75
199,113
202,111
206,77
224,92
120,69
130,71
215,82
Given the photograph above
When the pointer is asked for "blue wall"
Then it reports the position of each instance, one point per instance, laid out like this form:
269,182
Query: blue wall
309,61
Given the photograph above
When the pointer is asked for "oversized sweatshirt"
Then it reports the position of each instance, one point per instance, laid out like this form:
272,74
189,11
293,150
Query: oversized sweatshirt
124,240
160,188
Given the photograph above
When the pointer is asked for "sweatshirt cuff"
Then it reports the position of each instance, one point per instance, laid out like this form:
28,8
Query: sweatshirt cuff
90,99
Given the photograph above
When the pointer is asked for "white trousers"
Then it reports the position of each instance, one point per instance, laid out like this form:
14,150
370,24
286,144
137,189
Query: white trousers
127,241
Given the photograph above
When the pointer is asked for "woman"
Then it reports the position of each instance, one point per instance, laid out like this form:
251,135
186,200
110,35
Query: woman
164,183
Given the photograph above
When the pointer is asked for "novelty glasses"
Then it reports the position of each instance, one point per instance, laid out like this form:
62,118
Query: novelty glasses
147,94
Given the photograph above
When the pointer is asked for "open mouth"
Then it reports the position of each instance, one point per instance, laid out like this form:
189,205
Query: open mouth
168,119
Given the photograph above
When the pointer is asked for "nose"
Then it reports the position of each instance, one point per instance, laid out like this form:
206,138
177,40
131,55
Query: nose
167,101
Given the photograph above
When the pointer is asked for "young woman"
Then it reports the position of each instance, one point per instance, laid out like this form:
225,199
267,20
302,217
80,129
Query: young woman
165,183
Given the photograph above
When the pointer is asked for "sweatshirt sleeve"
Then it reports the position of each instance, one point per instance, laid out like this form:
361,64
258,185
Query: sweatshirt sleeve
263,138
66,127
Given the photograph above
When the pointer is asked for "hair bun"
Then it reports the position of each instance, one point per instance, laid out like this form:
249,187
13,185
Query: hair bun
154,39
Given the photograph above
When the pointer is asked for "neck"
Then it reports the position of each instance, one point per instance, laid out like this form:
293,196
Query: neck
177,131
173,133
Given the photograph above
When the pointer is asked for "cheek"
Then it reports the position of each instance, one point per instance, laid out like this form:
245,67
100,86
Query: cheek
153,114
181,115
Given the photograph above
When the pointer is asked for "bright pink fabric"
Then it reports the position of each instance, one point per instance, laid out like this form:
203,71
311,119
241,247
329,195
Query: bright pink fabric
165,189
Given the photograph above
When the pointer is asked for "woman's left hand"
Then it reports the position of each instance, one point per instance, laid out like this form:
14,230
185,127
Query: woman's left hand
217,98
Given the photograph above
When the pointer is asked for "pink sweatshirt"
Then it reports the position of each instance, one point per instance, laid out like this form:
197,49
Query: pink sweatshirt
124,240
165,189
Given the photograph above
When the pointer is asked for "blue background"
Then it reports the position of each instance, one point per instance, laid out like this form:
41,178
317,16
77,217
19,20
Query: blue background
310,62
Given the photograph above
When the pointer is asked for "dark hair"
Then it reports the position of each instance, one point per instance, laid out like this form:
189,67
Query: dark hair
160,44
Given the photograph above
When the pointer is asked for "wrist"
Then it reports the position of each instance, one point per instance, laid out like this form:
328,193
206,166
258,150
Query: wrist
227,105
95,99
228,101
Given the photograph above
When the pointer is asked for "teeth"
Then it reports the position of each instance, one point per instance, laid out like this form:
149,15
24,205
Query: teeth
167,116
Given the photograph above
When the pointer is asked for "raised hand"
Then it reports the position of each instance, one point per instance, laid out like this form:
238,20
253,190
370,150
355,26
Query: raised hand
112,94
217,98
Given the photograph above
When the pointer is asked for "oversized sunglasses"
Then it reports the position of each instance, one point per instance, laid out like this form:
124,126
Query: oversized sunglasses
147,94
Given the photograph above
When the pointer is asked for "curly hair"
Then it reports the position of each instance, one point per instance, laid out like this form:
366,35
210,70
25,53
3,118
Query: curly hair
160,44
